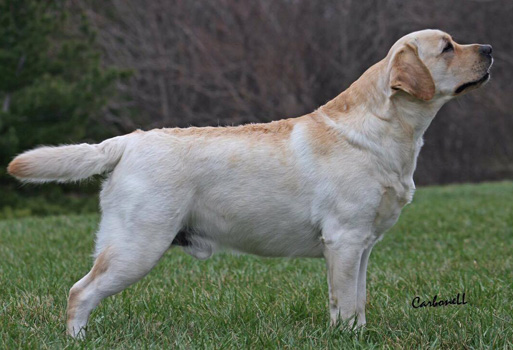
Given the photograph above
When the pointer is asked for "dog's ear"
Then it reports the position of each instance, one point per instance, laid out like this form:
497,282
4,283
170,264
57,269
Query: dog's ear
410,74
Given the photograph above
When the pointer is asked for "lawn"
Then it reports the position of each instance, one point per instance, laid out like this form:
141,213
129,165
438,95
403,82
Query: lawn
450,240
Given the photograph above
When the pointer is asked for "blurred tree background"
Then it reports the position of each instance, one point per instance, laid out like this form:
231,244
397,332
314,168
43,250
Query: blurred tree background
89,69
53,90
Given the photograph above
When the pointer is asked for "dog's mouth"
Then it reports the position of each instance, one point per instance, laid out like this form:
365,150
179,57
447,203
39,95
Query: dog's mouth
472,84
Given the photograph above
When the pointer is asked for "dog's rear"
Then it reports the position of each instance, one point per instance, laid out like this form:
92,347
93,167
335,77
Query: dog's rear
67,163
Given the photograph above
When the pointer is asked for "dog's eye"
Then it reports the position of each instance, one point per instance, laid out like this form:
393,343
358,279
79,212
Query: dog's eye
448,48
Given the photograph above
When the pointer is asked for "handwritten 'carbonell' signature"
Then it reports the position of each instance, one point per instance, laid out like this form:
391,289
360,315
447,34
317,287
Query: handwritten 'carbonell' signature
416,302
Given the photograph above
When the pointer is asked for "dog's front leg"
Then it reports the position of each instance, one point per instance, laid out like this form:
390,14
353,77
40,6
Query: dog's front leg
362,290
343,264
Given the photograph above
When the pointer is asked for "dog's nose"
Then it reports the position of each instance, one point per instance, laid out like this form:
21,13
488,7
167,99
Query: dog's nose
485,50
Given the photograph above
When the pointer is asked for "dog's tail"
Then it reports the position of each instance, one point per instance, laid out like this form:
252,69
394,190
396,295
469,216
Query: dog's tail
69,162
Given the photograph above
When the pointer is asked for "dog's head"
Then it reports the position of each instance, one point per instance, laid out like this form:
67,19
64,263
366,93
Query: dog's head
430,64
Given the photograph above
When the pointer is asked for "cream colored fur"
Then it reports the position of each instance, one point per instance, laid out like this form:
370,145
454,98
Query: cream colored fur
327,184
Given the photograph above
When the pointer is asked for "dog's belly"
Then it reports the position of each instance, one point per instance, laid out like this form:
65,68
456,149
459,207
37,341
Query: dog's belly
275,241
275,230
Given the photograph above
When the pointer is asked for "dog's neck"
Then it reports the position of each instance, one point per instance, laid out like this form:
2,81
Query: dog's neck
388,123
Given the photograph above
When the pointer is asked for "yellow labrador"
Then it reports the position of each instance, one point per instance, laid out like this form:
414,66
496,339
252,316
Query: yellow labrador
327,184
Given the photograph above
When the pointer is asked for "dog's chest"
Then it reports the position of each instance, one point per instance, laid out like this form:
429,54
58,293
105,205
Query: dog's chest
392,201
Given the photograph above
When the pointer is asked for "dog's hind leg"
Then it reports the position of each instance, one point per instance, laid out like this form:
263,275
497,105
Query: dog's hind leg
124,258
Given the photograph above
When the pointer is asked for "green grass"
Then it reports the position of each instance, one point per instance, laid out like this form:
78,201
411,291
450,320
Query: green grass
450,240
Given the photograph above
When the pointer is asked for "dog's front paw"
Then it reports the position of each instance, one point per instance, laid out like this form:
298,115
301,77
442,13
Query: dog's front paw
352,321
77,332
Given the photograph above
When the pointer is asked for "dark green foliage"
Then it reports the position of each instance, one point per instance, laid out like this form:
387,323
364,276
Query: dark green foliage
53,86
33,200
